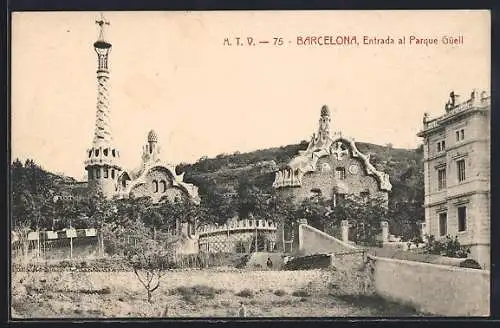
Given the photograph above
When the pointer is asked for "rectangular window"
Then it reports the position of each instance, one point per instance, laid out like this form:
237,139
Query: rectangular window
441,146
462,134
91,174
458,135
462,218
461,170
442,224
98,172
112,173
340,173
106,172
441,179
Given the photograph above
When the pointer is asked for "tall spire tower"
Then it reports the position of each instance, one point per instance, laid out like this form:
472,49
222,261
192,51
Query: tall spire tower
102,158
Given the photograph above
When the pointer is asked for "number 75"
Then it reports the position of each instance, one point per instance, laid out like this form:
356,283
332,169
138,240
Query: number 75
278,41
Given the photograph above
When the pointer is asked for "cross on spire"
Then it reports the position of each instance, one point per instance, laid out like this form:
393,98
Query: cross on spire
102,22
339,151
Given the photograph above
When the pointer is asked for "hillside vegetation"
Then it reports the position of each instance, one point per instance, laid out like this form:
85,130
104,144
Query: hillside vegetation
229,185
404,166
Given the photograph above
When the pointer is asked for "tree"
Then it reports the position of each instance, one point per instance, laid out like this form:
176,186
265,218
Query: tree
404,218
315,210
275,207
148,259
218,205
406,208
248,195
364,215
32,190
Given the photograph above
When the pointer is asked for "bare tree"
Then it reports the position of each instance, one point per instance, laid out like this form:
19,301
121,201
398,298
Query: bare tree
149,260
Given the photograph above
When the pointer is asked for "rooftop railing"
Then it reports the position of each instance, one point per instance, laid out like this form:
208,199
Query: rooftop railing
467,105
239,225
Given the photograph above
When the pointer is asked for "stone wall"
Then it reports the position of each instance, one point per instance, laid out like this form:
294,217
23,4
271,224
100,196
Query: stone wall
431,288
314,241
238,237
326,181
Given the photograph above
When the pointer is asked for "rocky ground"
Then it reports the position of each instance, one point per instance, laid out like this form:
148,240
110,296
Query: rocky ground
197,293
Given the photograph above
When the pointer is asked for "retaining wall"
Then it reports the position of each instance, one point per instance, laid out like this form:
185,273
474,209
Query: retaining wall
314,241
432,288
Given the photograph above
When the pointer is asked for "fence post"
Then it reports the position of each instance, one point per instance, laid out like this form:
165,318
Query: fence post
385,231
43,245
345,230
255,237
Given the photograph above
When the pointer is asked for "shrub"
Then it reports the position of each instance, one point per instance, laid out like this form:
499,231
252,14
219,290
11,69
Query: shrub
279,292
449,247
102,291
301,293
245,293
198,290
470,263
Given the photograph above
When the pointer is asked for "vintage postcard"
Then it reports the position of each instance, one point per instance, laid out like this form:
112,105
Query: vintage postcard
245,164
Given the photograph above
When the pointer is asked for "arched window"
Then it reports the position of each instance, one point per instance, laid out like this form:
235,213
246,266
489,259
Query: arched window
105,152
90,153
124,183
324,167
97,152
91,175
112,173
164,184
155,185
113,153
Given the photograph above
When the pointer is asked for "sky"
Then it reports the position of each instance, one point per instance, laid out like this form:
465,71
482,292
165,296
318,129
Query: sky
172,72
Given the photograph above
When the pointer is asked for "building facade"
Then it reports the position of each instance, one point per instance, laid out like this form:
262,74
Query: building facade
332,167
102,163
238,236
457,173
154,177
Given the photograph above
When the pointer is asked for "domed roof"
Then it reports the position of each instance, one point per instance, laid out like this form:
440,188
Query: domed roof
152,136
325,111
